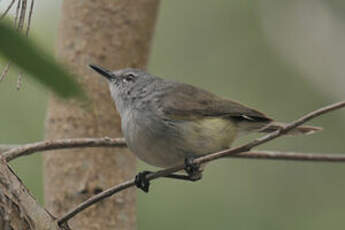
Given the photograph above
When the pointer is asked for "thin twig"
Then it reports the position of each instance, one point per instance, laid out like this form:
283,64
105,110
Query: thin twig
22,16
19,81
100,196
17,12
11,152
20,76
29,18
5,71
62,144
22,150
8,9
19,21
292,156
203,159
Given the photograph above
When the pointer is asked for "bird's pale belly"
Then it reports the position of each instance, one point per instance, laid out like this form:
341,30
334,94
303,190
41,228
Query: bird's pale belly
169,143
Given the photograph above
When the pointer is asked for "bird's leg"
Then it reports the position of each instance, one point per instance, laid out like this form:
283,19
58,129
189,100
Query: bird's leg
141,181
192,169
144,184
179,177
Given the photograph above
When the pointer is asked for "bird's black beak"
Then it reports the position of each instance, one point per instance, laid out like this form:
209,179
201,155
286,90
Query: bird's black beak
104,72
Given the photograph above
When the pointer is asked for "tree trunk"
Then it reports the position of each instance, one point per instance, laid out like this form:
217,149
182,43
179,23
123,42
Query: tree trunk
115,34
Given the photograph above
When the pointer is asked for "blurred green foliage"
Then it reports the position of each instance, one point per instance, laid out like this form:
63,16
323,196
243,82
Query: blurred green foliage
34,61
220,46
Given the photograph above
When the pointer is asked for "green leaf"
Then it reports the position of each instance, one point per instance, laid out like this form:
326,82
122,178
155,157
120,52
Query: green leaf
39,64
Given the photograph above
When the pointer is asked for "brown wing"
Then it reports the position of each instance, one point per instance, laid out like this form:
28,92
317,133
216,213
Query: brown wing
185,102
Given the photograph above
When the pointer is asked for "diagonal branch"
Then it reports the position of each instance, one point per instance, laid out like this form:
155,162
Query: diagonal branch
203,159
270,155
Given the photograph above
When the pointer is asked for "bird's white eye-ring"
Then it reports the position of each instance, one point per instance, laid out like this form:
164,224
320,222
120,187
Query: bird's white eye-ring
128,78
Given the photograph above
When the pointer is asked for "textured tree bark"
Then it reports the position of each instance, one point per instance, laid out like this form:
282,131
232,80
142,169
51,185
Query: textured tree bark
115,34
18,209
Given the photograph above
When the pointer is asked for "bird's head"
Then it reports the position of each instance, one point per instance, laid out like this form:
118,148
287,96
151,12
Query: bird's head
126,85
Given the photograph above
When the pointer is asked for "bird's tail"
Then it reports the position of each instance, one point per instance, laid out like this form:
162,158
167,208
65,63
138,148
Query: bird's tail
304,129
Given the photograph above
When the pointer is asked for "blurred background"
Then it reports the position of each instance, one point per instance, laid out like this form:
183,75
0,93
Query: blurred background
282,57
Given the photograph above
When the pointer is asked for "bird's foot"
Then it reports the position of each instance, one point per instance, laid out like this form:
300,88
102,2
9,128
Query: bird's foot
141,181
192,169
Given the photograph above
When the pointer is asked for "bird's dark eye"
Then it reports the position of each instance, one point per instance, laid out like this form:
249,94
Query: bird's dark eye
129,77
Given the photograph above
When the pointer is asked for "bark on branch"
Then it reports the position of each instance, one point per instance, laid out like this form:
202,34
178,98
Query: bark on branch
18,209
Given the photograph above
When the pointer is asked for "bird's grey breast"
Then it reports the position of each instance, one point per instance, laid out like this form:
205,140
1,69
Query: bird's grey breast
153,139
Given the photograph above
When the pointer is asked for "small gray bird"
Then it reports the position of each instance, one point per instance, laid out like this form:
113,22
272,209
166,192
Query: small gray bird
166,123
